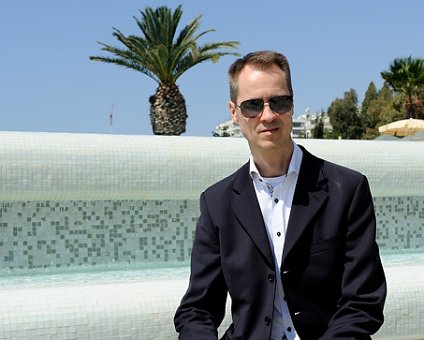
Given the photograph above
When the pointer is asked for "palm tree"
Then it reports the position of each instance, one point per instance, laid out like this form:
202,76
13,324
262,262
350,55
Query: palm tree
164,57
406,76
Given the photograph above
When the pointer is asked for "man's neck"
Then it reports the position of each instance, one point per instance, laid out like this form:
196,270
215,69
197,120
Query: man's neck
273,163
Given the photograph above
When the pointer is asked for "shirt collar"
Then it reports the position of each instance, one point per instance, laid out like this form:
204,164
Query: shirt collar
294,165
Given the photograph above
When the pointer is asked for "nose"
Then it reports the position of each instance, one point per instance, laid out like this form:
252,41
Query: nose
267,114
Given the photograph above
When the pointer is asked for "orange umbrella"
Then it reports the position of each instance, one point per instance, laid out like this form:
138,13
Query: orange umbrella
404,127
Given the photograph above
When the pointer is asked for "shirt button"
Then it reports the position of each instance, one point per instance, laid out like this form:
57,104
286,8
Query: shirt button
288,329
278,234
276,200
267,321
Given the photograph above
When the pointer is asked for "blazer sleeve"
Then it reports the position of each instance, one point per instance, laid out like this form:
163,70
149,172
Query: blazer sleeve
202,308
360,311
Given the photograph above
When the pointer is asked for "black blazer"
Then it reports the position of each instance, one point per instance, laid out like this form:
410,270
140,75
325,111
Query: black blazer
331,270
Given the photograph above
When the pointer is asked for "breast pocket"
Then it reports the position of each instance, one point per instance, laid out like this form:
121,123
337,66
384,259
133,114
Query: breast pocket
327,244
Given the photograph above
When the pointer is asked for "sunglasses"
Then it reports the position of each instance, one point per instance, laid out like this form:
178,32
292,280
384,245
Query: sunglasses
253,107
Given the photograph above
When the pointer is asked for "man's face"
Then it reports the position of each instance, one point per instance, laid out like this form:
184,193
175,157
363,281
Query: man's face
268,131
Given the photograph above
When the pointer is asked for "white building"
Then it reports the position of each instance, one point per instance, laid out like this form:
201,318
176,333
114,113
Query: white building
228,129
299,130
304,125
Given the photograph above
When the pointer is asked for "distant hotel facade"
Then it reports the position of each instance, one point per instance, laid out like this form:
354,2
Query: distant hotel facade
302,126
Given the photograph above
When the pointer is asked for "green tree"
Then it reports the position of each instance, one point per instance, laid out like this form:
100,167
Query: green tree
370,95
382,108
318,131
421,100
369,118
387,106
164,56
344,116
406,76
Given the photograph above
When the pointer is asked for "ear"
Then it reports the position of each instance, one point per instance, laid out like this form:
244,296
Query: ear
233,111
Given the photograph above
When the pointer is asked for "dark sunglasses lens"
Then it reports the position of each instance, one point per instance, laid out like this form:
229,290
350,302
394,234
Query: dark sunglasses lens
251,108
281,104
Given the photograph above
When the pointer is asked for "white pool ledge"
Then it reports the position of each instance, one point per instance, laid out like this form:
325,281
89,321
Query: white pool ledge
66,166
144,309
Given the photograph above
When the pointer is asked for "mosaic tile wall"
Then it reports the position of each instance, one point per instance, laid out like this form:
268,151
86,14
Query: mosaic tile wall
400,222
74,233
60,234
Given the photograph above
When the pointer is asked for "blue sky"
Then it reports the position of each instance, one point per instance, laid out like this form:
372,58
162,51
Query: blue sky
48,83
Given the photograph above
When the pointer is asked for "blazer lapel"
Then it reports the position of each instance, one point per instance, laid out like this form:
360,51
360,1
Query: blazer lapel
246,208
310,194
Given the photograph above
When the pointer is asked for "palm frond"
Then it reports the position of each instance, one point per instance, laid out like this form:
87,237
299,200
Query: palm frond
160,52
127,64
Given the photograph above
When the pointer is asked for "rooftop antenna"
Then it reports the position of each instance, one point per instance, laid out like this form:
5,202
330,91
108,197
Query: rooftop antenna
111,120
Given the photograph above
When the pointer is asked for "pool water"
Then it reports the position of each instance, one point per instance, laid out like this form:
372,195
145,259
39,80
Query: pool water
129,272
402,257
109,274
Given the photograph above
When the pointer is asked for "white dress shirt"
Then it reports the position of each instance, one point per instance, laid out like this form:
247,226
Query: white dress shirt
275,196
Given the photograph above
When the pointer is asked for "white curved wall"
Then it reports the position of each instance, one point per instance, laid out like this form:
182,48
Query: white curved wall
159,180
89,166
40,166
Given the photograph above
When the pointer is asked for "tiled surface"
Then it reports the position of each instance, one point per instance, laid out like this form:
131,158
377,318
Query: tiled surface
58,234
72,233
404,310
94,201
84,199
144,309
64,166
122,310
400,222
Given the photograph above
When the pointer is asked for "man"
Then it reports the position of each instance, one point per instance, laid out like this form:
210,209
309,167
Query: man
289,236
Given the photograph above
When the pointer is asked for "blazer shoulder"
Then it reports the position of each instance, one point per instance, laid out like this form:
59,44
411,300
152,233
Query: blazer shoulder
329,168
335,176
339,170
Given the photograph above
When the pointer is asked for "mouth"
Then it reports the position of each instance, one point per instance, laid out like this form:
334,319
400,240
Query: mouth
270,130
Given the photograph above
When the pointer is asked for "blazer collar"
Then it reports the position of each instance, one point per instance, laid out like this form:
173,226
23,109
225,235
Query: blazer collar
246,208
310,195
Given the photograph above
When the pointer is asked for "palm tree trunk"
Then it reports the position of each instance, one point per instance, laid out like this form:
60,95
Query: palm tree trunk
168,114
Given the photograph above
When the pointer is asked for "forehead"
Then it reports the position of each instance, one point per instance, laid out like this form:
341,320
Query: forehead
256,81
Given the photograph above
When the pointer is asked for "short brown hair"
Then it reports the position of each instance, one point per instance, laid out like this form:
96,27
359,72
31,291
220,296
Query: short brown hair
262,59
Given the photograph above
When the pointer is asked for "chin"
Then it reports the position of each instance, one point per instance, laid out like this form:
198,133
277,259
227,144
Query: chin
270,144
